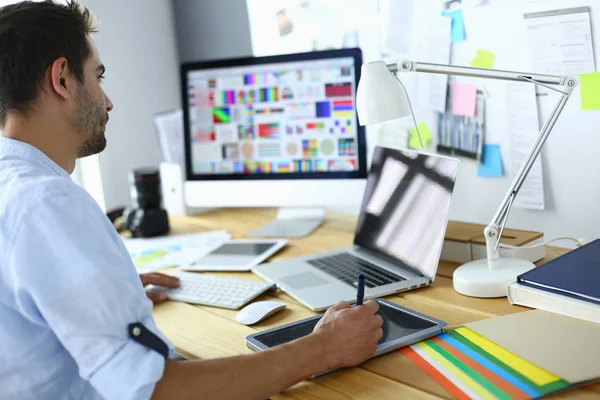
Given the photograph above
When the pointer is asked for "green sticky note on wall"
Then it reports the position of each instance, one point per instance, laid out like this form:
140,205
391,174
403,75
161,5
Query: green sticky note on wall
590,91
483,59
413,139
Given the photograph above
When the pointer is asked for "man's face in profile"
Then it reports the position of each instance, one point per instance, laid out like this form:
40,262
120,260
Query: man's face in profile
92,106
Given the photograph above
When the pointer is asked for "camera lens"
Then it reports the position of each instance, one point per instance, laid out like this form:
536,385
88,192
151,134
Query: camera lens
145,188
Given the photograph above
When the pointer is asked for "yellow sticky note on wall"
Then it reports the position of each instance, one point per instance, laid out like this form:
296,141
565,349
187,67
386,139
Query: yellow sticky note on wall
483,59
413,139
590,91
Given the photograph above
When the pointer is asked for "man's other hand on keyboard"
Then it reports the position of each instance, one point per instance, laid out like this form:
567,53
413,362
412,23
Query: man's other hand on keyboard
350,334
161,280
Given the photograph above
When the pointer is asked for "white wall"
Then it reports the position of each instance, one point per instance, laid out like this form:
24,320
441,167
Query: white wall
569,157
137,44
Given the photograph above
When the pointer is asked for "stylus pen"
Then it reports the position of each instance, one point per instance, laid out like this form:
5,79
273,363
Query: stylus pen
360,292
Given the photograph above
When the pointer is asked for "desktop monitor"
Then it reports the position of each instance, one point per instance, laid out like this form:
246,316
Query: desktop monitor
275,131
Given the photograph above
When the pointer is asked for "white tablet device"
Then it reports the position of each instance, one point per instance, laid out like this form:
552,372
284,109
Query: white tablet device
401,327
236,255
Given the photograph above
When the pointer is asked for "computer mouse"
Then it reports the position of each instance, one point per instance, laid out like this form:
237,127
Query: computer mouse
256,312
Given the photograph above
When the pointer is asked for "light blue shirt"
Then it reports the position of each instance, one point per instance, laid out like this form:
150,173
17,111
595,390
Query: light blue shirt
68,290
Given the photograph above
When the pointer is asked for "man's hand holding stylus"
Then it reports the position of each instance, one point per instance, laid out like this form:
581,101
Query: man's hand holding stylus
350,334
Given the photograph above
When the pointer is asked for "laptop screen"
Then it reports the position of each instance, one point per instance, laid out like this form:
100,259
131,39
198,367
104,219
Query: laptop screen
405,209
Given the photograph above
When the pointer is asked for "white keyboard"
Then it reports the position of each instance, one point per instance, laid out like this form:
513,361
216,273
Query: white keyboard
216,291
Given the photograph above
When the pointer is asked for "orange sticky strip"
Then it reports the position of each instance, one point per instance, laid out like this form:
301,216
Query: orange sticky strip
433,373
503,385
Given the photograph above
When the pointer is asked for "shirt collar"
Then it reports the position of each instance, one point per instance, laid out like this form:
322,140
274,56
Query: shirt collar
18,148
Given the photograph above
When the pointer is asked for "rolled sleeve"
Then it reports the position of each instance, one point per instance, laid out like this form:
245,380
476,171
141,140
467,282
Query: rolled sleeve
73,275
137,367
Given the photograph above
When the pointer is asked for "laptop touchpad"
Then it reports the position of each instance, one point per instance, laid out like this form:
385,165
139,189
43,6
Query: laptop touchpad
303,281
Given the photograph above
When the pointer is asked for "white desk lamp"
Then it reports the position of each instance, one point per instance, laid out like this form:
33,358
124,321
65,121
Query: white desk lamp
381,96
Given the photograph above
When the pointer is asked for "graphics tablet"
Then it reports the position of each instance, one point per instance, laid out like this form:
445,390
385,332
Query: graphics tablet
401,327
236,255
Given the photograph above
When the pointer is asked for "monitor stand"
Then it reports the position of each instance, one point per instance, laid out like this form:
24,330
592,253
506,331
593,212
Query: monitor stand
292,223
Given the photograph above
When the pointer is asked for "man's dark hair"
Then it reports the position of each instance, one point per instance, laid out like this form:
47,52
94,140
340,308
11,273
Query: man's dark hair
32,36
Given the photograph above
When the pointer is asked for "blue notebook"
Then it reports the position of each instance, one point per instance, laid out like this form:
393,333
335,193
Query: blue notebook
575,274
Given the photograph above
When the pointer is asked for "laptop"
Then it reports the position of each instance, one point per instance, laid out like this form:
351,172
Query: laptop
398,238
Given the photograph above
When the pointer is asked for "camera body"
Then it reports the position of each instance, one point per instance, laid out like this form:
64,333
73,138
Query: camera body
146,217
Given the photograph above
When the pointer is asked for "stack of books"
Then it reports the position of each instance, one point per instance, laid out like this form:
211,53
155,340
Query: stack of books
568,285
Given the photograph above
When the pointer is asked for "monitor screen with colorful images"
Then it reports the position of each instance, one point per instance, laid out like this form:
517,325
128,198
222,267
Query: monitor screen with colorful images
288,116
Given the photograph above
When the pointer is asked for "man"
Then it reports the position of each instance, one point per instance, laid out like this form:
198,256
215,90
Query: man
68,288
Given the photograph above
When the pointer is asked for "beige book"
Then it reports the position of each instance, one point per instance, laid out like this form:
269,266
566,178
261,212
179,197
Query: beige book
567,347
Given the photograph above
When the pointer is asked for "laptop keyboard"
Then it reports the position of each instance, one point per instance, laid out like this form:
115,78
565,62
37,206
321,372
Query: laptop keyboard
347,268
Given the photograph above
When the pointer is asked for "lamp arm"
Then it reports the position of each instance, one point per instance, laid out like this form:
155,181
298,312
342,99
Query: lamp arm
493,231
411,66
492,236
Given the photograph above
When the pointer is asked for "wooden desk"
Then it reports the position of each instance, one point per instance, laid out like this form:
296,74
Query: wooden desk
209,332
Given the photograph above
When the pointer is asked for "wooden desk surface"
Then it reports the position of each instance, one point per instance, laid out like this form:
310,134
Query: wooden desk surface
209,332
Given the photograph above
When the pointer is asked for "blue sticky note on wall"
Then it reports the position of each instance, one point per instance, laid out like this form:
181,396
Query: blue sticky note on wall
458,25
491,164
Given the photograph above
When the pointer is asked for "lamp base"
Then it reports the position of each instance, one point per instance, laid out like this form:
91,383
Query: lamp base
476,279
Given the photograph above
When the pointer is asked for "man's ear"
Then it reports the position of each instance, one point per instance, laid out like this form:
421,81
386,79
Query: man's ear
61,81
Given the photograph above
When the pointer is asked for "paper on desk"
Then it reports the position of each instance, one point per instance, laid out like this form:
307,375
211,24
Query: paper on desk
169,128
491,162
464,99
523,128
590,91
164,252
560,41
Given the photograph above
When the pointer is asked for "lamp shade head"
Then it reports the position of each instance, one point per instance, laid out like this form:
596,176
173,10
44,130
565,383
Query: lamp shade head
380,96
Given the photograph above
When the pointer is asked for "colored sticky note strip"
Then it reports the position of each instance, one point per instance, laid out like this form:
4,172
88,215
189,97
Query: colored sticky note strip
433,372
467,364
464,99
484,362
491,164
464,377
497,385
458,26
461,386
476,375
590,91
543,389
413,140
536,374
483,59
